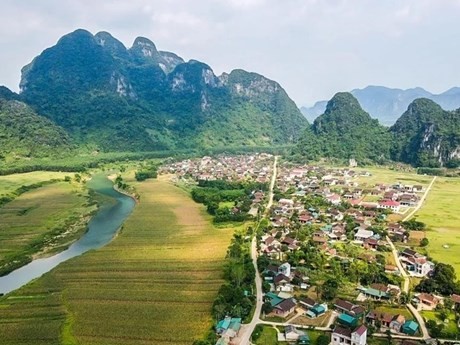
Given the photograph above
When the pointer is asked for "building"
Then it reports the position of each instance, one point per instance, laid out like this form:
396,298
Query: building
346,336
389,204
228,329
410,327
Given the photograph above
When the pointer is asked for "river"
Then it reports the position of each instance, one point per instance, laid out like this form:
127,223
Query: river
101,229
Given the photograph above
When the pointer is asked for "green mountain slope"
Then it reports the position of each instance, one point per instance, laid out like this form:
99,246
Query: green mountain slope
427,135
345,131
120,99
24,133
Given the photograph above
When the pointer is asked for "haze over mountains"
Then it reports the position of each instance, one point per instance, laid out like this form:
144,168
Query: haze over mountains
387,104
89,92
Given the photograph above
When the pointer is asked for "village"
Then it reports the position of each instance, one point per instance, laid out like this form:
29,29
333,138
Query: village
325,252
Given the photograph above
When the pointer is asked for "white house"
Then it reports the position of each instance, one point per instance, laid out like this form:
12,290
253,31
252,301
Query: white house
362,234
345,336
285,269
389,204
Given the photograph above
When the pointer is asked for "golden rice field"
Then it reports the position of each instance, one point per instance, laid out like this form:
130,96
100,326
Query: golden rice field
441,213
154,284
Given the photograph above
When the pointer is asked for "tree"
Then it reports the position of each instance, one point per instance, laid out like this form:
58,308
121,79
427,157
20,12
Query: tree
424,242
266,287
330,287
323,340
267,308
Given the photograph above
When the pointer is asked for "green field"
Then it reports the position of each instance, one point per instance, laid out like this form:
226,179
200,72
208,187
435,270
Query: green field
154,284
268,336
387,176
29,223
450,329
442,215
10,183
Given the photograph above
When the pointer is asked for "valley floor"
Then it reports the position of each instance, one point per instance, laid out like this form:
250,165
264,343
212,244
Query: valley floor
440,213
154,283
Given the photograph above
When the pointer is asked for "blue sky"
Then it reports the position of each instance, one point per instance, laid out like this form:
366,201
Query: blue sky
313,48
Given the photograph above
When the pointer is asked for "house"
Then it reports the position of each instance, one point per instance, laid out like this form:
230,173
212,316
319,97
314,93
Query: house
285,269
316,311
456,299
281,279
349,308
381,291
293,335
397,322
285,308
410,327
345,336
307,302
416,264
427,300
319,237
347,320
228,327
362,235
389,204
274,299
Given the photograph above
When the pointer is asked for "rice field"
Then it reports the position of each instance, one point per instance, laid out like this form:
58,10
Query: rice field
154,284
441,213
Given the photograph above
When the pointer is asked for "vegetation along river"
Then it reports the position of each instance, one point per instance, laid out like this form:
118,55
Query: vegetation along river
101,229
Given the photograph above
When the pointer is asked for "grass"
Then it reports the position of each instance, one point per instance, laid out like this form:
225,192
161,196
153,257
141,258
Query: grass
395,310
320,321
30,223
10,183
387,176
440,213
450,328
154,284
268,336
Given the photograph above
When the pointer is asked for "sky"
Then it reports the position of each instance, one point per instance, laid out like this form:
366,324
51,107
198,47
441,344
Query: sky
313,48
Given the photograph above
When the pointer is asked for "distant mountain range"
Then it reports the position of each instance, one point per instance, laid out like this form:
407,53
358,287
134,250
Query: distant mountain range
89,92
386,104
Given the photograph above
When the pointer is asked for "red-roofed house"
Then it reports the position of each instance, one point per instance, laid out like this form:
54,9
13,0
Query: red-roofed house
389,204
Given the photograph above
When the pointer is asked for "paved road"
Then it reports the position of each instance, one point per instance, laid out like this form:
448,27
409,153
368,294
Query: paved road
246,331
403,271
421,200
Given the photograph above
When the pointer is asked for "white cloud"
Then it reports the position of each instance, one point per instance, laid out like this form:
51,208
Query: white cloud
313,48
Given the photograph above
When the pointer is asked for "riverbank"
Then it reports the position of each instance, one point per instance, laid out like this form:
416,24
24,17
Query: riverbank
42,221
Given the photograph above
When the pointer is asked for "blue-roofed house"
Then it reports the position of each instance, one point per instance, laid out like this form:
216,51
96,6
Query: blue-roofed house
347,320
316,310
410,327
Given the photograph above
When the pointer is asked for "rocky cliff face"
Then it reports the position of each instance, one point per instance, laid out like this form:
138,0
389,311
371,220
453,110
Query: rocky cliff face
145,99
427,135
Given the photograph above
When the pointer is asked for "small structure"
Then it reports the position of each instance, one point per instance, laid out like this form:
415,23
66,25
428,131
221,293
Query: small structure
427,300
293,335
316,310
347,320
410,327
